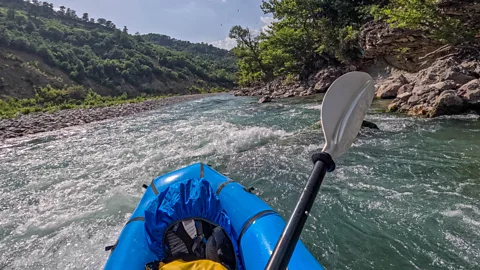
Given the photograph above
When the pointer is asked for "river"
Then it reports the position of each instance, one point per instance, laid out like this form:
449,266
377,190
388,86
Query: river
405,197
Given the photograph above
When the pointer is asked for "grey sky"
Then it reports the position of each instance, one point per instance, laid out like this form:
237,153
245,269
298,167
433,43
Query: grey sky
194,20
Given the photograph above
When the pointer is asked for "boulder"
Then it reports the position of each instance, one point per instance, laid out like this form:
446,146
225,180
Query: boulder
394,106
265,99
388,91
419,110
447,103
326,77
369,124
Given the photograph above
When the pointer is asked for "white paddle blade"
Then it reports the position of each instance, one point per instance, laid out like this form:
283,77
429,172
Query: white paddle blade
343,110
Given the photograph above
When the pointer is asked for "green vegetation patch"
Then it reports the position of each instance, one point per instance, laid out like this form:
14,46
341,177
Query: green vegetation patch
310,34
48,99
94,49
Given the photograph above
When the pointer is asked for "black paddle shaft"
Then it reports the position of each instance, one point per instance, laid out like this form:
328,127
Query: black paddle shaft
288,240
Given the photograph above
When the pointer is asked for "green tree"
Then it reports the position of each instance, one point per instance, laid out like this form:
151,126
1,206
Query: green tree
31,27
423,15
20,19
85,17
11,14
247,41
109,24
46,8
62,10
304,36
101,21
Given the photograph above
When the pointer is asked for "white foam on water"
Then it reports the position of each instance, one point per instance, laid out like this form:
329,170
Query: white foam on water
452,213
314,107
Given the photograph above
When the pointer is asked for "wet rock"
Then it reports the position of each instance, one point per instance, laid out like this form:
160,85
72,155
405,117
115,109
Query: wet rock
447,103
369,124
265,99
393,107
419,110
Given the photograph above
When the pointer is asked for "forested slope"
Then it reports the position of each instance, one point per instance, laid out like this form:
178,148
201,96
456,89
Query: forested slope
41,46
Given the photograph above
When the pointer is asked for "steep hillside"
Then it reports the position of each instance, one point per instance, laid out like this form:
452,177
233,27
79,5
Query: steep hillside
200,51
40,46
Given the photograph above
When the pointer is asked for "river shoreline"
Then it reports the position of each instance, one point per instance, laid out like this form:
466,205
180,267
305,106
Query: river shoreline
44,121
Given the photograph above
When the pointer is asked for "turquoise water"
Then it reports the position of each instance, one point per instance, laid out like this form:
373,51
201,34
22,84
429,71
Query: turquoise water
404,197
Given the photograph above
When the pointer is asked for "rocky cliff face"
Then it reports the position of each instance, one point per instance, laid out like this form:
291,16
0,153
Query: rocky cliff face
401,48
413,50
467,11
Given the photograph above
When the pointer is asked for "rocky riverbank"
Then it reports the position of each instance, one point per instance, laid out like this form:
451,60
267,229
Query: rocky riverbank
42,122
281,88
422,76
450,85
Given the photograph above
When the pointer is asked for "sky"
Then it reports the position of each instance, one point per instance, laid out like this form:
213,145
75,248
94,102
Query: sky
206,21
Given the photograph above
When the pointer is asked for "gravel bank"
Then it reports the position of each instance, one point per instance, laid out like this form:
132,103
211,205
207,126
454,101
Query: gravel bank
42,122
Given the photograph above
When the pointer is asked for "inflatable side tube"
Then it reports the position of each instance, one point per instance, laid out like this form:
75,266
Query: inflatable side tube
259,228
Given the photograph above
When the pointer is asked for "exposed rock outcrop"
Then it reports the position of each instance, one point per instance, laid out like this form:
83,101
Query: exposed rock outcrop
401,48
467,11
449,86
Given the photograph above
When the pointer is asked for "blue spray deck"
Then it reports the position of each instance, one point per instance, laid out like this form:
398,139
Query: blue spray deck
256,226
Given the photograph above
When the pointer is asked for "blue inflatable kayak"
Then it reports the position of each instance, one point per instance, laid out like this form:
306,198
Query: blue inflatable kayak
253,226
